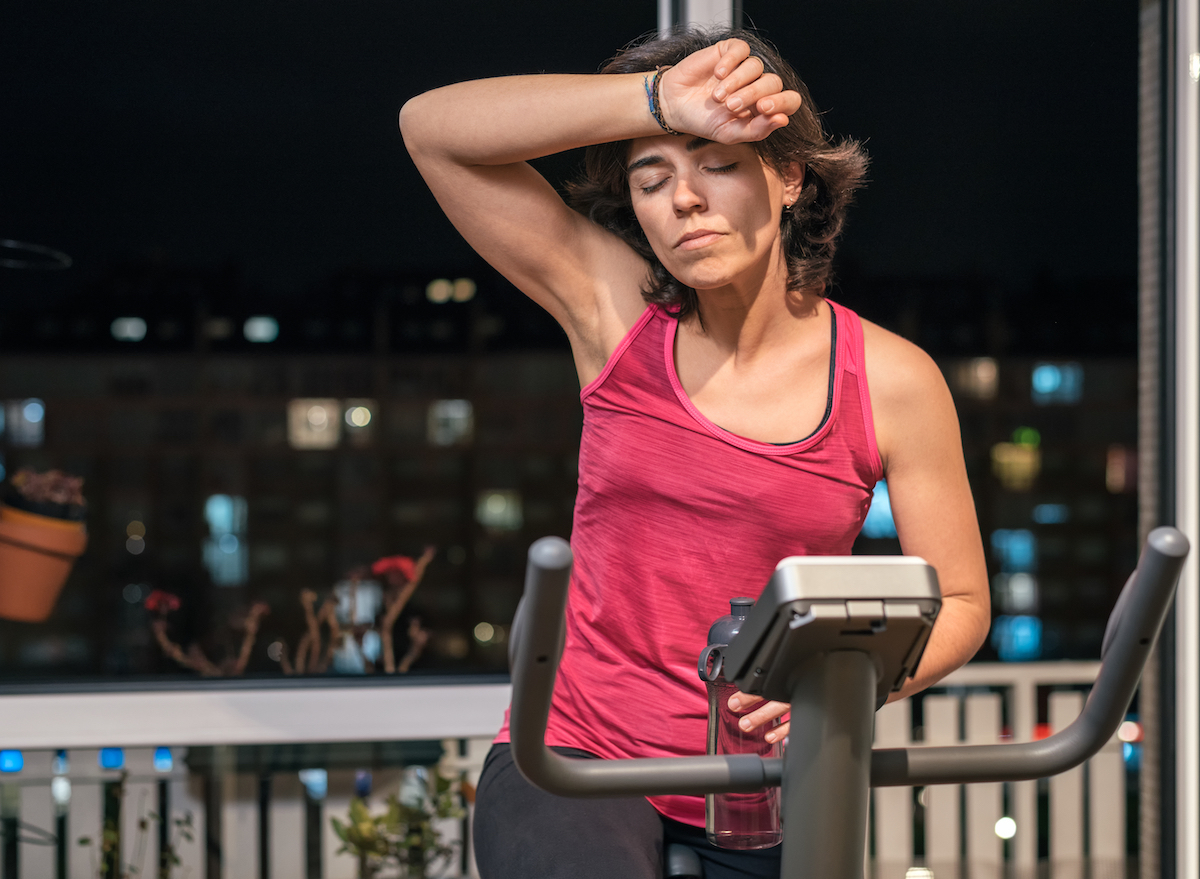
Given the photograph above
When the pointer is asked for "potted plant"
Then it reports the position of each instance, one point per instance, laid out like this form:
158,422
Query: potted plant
41,534
403,841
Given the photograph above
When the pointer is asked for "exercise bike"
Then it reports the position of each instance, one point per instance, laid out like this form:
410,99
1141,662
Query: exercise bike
832,636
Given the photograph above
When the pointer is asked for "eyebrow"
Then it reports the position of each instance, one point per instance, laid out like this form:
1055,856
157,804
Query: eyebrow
692,145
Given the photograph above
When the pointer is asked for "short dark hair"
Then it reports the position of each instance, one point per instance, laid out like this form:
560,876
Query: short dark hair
833,171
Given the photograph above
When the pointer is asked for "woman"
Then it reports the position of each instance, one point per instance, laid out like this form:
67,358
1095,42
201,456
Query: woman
732,414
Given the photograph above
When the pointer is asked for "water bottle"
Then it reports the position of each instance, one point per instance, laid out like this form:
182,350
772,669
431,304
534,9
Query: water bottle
736,821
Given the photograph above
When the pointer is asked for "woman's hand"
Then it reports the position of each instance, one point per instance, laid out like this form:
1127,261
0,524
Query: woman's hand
723,93
763,714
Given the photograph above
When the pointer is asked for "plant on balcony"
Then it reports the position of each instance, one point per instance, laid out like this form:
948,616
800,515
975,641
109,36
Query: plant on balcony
41,534
162,604
403,842
106,848
348,638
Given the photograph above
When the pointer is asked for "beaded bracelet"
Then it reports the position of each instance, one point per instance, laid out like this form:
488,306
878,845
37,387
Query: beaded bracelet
652,86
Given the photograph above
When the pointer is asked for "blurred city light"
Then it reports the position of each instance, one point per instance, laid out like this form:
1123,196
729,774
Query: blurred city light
1120,470
11,761
464,290
500,509
128,329
1017,638
1016,593
1130,731
314,423
450,422
112,758
217,328
25,422
1056,383
316,782
1016,465
1006,828
360,420
60,790
978,378
439,291
1051,514
224,552
879,522
1016,549
163,761
484,633
260,329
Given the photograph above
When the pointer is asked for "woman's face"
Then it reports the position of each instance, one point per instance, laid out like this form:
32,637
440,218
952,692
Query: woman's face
710,211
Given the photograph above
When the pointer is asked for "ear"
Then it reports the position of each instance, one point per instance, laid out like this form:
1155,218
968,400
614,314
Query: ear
793,181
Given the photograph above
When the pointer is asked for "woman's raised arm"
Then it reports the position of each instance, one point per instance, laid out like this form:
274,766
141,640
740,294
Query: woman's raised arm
472,141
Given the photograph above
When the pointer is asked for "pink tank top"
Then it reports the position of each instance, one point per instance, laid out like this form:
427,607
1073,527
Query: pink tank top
674,517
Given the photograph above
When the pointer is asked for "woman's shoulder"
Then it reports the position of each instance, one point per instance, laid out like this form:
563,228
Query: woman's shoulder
899,373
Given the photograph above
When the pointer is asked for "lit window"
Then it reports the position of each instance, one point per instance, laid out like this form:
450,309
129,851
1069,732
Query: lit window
464,290
1016,549
1120,472
314,423
450,422
260,329
359,420
879,522
225,553
218,328
1017,638
485,633
358,601
1051,514
978,378
1016,593
1016,466
1056,383
128,329
25,422
500,509
439,291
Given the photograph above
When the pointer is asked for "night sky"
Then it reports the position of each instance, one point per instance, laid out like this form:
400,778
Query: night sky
262,135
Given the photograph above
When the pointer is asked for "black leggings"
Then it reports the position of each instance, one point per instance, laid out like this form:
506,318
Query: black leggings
522,832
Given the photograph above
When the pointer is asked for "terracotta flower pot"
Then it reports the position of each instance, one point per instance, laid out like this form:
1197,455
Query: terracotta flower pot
36,555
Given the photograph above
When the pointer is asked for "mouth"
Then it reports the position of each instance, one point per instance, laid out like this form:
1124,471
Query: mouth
697,239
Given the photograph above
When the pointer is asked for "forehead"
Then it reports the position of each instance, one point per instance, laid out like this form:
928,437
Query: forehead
645,151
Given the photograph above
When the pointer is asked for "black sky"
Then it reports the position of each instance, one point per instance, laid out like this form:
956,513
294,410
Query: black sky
263,134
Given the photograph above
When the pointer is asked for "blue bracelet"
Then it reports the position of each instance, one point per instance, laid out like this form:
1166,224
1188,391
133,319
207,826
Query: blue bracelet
652,86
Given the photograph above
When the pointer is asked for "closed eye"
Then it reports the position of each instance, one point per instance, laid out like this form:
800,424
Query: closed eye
653,187
724,169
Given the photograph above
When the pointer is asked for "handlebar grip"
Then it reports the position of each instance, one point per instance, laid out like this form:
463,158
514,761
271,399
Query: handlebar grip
1136,622
538,634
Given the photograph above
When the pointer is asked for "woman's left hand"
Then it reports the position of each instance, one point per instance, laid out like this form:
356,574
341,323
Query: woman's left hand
764,713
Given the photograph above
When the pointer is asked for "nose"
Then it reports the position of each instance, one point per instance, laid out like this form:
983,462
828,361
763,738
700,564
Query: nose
687,196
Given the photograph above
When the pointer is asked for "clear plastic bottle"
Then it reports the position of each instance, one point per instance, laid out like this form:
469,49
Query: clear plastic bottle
736,821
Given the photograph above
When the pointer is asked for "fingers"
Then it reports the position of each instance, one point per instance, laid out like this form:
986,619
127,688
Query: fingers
765,713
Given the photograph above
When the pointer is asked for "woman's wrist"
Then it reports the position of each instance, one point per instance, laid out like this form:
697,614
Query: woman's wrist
653,86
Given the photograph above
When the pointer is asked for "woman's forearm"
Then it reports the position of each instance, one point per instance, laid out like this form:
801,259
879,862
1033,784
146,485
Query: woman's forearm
516,118
960,630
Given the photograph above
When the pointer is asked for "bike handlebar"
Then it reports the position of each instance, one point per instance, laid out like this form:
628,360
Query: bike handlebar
537,646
